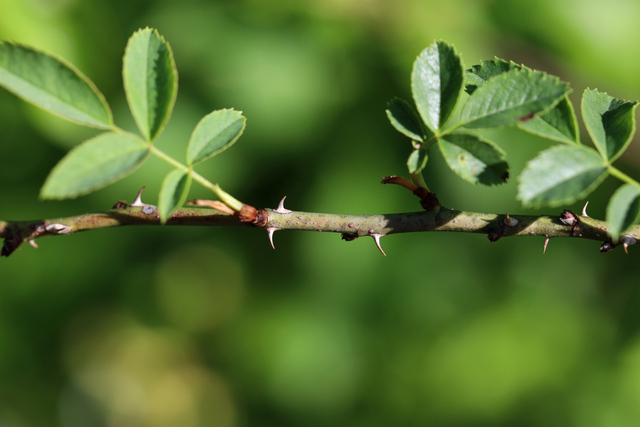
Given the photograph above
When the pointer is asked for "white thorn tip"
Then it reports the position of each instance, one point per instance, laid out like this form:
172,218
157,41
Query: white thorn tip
546,242
33,243
270,231
281,209
376,238
584,210
138,200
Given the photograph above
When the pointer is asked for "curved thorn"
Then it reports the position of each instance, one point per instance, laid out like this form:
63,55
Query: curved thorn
376,238
584,210
138,200
625,245
546,242
270,231
33,243
281,209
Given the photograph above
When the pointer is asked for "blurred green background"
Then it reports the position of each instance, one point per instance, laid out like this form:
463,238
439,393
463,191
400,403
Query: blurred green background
211,327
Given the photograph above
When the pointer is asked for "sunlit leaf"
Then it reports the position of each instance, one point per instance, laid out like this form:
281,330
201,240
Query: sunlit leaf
623,209
215,133
94,164
406,120
474,159
561,175
609,121
559,124
478,75
436,83
173,193
512,97
52,84
150,81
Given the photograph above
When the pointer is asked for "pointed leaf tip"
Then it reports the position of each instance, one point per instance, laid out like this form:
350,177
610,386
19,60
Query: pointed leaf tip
150,81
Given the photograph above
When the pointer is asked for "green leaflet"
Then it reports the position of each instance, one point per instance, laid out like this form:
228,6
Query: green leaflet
173,193
405,119
436,83
150,81
474,159
52,84
512,97
215,133
609,121
478,75
623,210
561,175
417,161
94,164
559,124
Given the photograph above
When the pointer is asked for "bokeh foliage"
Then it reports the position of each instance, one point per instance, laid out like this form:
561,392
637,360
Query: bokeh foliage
191,327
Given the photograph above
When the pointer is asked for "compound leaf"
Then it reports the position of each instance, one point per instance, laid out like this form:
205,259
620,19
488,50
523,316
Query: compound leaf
53,85
150,81
436,83
474,159
561,175
94,164
173,193
609,121
623,209
215,133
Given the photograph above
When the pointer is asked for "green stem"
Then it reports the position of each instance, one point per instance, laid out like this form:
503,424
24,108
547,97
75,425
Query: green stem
227,198
623,176
350,226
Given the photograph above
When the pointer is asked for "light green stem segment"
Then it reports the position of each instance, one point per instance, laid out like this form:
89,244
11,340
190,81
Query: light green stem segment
227,198
623,176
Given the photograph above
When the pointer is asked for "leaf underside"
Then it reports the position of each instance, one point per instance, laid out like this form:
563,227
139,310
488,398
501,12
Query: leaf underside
405,119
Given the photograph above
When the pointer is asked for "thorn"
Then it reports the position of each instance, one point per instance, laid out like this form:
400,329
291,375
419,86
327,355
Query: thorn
138,200
546,242
270,231
33,243
376,238
584,210
509,221
58,228
281,209
626,242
